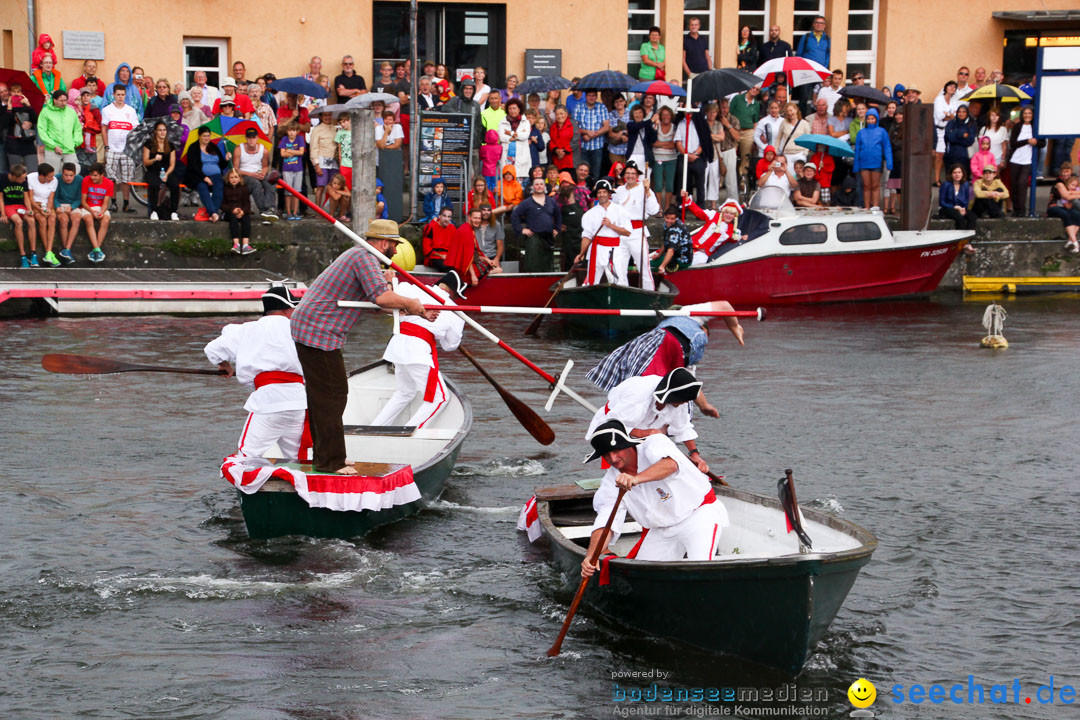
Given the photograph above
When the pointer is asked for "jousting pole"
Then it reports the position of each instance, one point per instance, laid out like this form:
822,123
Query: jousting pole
758,314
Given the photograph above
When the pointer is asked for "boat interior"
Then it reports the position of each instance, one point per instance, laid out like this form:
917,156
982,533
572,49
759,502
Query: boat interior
756,531
370,388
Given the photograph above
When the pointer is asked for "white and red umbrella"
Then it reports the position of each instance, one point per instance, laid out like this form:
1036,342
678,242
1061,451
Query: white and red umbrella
799,71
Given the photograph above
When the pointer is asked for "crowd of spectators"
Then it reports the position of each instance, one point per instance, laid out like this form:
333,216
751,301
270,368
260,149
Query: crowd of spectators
560,143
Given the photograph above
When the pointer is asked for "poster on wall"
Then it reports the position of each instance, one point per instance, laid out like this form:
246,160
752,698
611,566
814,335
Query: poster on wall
444,152
82,45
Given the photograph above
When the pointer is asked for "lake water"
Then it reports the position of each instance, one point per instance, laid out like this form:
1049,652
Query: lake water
130,588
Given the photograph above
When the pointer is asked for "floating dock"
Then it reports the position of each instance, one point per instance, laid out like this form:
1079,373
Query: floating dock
135,291
1021,285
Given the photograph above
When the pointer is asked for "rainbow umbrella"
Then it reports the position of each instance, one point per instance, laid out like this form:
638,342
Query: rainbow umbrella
230,131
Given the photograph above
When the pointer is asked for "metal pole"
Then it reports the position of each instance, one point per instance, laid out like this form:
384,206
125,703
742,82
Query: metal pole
31,29
414,114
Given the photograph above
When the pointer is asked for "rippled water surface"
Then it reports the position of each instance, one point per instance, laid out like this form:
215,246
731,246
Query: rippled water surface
130,588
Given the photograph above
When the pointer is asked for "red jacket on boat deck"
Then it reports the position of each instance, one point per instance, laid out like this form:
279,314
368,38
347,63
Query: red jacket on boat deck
437,241
715,232
463,251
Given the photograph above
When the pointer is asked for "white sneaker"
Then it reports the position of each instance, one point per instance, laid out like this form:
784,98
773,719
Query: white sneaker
174,217
153,216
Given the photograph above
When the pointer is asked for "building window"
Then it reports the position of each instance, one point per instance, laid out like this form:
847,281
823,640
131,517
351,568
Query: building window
862,39
207,54
755,13
705,11
805,12
642,15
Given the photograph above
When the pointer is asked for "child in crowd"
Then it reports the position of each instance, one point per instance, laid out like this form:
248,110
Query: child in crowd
90,117
1073,185
808,190
990,194
236,207
382,212
537,143
551,179
389,135
97,193
42,186
292,148
982,158
338,198
436,200
343,139
15,202
68,209
765,162
490,155
323,154
510,192
16,97
825,166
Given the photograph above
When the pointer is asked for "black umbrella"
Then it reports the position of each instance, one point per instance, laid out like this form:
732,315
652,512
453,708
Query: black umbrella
606,80
716,84
543,84
869,93
137,137
298,86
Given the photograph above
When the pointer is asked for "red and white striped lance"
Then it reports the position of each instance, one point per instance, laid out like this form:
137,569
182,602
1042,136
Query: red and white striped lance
758,314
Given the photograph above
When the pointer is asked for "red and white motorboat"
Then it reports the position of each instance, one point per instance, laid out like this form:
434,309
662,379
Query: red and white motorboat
787,256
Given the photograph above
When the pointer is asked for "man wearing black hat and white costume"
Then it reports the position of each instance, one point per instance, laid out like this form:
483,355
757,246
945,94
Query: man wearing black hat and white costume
262,356
640,202
602,229
655,405
671,499
413,351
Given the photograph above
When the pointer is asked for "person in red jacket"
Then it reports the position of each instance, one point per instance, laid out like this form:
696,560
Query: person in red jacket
560,149
44,47
437,239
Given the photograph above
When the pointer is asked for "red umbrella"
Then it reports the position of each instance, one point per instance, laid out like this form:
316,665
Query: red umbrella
29,89
799,71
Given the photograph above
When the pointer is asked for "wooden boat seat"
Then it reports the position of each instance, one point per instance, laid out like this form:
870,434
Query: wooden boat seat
401,431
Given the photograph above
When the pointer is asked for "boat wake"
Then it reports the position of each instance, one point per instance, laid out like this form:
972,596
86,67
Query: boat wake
206,587
453,506
501,467
827,504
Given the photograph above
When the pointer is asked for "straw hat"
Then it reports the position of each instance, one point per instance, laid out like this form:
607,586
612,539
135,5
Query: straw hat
383,230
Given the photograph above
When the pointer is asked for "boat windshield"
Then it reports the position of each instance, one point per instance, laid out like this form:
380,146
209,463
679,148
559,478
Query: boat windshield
773,201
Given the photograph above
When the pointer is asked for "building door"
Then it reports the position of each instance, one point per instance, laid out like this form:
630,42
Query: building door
458,35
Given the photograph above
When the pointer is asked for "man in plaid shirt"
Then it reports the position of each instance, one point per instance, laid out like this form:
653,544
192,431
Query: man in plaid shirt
319,328
591,118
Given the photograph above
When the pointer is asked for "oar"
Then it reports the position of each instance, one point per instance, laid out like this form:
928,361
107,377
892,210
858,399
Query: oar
535,324
88,365
758,314
717,478
554,650
525,414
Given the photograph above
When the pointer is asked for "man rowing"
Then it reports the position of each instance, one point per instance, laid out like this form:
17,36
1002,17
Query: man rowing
415,355
654,405
320,327
640,202
602,229
674,503
262,356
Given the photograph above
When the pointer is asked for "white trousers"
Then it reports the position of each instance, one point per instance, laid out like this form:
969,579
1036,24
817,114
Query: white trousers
694,538
605,262
635,246
700,258
731,179
712,181
412,378
263,430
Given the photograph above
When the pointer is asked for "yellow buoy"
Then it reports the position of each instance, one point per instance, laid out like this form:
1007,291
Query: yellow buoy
405,257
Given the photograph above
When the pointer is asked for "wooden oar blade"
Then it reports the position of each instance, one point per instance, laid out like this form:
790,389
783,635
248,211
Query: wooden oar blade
529,419
534,325
83,364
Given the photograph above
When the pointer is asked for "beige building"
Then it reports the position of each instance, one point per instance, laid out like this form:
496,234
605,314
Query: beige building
919,42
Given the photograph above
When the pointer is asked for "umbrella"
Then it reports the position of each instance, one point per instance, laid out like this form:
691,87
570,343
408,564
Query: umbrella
298,86
835,146
141,133
995,91
719,83
869,93
231,132
543,84
659,87
365,100
606,80
29,89
799,71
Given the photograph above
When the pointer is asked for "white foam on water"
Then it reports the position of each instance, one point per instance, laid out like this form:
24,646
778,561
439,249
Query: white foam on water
828,504
203,587
449,505
502,467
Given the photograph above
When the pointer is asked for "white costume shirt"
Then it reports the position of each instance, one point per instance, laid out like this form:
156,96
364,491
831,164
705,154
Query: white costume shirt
632,201
447,329
592,222
632,402
263,345
690,143
657,504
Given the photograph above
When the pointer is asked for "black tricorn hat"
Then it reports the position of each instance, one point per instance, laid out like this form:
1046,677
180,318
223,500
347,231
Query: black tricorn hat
611,435
278,297
678,386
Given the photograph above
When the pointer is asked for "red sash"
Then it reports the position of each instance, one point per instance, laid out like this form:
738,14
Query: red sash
413,330
636,224
277,377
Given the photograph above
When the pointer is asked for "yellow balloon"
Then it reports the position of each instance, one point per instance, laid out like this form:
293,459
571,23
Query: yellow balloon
405,257
862,693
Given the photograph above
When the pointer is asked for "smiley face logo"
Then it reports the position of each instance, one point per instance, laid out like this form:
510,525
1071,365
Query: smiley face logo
862,693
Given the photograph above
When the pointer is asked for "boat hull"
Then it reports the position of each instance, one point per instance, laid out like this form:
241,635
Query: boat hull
788,279
769,611
608,297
